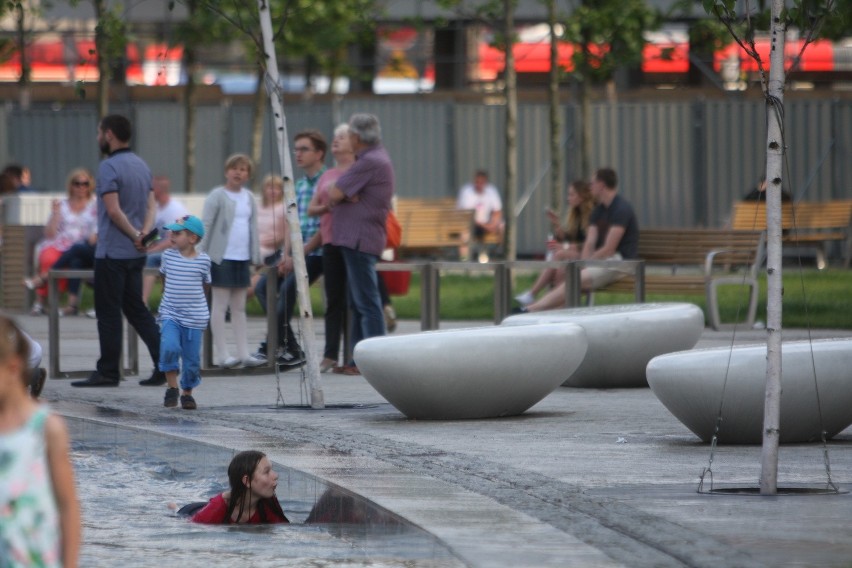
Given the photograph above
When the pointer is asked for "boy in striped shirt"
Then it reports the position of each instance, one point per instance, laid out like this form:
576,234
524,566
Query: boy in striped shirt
184,313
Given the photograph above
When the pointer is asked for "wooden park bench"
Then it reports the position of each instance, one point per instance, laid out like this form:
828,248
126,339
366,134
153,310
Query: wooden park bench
432,226
807,224
698,261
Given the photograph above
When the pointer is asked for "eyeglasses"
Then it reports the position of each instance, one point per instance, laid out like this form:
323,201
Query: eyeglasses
79,183
298,149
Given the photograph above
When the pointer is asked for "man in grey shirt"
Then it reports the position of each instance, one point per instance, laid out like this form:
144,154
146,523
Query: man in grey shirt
126,210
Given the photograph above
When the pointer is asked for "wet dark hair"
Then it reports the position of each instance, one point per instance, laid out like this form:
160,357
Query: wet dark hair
119,125
244,464
14,344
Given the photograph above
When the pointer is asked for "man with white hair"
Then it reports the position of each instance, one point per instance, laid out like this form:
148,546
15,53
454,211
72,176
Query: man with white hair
360,201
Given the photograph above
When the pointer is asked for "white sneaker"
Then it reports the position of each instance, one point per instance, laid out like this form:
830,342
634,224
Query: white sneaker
252,361
525,299
229,363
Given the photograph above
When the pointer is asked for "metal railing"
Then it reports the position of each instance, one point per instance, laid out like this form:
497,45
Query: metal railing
430,280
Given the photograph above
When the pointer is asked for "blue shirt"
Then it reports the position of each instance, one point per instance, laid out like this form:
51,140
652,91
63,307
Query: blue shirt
125,173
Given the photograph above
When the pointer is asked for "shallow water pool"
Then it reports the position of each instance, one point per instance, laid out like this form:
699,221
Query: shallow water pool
127,478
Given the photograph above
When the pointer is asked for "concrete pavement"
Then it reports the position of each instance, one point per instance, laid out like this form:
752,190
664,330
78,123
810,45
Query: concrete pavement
584,478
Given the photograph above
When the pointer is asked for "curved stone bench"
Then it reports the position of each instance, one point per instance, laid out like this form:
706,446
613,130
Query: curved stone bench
623,338
484,372
690,385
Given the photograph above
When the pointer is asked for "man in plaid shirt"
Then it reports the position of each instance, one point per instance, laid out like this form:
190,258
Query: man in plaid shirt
310,149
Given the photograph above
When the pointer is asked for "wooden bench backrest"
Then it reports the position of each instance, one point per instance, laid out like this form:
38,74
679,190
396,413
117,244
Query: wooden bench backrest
805,215
685,247
751,216
432,227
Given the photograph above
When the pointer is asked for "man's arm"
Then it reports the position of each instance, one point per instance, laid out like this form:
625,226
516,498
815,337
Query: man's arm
610,246
335,196
589,243
119,219
152,213
494,222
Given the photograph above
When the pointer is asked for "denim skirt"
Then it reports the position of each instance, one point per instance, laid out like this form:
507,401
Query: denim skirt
230,274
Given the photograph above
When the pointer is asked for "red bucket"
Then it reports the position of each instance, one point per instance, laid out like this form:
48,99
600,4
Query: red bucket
396,281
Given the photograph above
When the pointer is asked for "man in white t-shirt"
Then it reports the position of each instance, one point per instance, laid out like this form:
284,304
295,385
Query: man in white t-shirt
168,210
484,199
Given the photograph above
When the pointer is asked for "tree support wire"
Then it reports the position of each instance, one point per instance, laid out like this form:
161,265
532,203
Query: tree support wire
296,244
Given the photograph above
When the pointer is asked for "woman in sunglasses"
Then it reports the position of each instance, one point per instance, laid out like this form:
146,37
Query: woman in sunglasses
69,237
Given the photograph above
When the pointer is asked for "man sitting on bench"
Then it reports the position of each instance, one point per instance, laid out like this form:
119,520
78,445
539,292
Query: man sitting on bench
613,234
484,199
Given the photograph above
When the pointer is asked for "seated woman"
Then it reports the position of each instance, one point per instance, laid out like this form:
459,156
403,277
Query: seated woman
568,238
252,497
73,221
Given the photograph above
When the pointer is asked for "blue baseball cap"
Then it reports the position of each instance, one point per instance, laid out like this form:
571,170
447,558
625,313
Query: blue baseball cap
189,223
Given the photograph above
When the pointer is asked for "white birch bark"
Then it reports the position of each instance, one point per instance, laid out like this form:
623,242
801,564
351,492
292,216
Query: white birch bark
296,244
774,170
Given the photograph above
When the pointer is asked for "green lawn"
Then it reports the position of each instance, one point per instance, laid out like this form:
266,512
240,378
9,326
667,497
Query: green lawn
819,299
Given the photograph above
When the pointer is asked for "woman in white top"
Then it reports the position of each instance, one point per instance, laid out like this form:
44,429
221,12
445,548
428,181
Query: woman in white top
72,220
231,242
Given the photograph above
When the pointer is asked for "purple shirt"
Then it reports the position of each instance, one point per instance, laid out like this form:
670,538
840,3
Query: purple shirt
361,225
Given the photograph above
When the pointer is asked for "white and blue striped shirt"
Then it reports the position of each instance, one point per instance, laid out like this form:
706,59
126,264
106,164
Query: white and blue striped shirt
184,300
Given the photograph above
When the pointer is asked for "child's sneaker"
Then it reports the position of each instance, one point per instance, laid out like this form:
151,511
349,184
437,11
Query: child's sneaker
187,402
171,398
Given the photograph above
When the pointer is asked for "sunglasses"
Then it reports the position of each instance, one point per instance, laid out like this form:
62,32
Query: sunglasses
78,183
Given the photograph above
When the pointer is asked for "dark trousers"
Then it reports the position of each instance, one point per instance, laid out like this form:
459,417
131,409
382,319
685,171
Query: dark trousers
80,255
287,298
118,289
334,269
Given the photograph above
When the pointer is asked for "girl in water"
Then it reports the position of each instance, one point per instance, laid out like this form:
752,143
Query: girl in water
39,512
252,497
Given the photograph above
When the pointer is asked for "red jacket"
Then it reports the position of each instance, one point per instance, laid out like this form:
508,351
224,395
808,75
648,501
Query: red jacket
216,513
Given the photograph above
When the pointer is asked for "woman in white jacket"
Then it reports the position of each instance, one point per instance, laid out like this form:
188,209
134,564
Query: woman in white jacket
231,241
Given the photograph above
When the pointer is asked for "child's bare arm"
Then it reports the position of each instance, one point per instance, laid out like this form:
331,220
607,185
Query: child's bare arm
62,477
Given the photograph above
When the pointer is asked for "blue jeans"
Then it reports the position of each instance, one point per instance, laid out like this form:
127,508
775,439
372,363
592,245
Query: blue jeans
80,255
180,349
367,317
118,289
287,298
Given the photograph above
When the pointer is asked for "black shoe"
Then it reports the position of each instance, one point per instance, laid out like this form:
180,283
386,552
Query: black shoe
171,398
187,402
96,380
287,361
520,310
157,379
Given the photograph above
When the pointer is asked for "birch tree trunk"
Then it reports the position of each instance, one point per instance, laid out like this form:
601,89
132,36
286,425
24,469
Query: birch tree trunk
101,40
511,132
190,98
774,169
296,244
555,115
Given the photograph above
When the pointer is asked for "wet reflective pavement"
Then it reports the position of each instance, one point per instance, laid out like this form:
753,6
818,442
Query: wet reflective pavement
584,478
